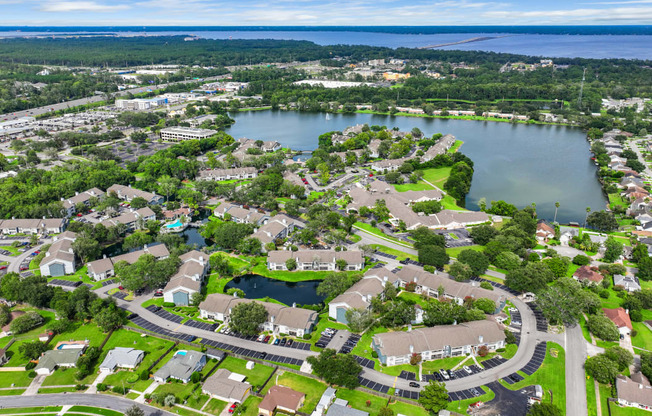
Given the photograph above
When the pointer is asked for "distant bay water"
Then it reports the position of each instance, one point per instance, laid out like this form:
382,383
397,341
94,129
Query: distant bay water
568,42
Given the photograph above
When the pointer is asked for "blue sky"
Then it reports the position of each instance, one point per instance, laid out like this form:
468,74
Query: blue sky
325,12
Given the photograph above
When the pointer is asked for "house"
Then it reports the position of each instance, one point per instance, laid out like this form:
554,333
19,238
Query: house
620,317
588,274
315,259
63,355
325,401
121,357
627,282
443,144
389,165
70,204
128,193
181,366
133,219
282,399
226,386
33,226
339,409
188,279
394,348
240,214
544,232
280,319
104,268
59,260
360,294
228,174
631,393
374,147
277,227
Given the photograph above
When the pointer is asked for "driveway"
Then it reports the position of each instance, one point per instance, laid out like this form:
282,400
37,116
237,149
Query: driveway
71,399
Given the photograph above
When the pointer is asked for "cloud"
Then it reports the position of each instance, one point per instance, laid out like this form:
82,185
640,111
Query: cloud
81,6
622,2
575,15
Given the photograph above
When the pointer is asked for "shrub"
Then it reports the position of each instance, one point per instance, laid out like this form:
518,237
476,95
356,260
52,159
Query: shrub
636,316
581,260
30,365
307,336
410,286
483,351
603,328
510,338
486,285
500,350
195,377
168,304
633,333
374,354
101,387
80,387
429,268
120,390
604,294
31,374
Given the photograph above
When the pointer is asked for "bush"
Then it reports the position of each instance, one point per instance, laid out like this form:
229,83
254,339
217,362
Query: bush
510,338
307,336
144,375
30,365
32,374
636,316
120,390
80,387
500,350
603,328
633,333
195,377
581,260
429,268
483,351
101,387
486,285
374,354
168,304
604,294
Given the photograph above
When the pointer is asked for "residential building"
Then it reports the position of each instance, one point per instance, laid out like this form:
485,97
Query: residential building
121,357
226,386
241,153
627,282
360,294
631,393
339,409
620,317
33,226
443,144
315,259
59,260
394,348
239,214
128,193
588,275
281,399
544,232
280,319
325,401
133,219
65,357
228,174
70,204
187,280
374,147
277,227
388,165
181,366
103,268
180,134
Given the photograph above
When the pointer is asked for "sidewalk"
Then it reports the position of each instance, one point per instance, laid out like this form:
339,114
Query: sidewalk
99,379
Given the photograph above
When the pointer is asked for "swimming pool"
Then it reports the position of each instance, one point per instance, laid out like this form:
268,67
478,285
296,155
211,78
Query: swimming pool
182,352
175,224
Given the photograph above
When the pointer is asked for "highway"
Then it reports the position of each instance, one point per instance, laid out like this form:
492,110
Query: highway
94,99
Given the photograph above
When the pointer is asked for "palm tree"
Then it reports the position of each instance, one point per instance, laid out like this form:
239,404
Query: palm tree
588,209
556,208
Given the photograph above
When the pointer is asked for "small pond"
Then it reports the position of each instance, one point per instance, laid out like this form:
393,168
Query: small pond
256,286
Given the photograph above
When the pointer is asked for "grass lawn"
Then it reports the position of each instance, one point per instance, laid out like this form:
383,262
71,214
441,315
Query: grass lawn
644,337
324,323
215,406
551,376
399,254
255,377
377,232
510,351
313,389
189,391
415,297
50,390
288,276
419,186
215,283
81,332
448,202
66,377
585,330
462,405
14,379
455,251
250,406
14,392
94,410
437,176
358,399
446,363
46,409
590,397
456,146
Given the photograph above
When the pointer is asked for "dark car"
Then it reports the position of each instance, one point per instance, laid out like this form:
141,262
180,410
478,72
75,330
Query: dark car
414,384
262,355
320,345
290,342
132,316
283,342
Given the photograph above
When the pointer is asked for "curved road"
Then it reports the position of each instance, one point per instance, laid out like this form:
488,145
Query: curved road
72,399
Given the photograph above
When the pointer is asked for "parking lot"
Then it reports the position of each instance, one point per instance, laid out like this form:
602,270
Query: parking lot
537,359
251,353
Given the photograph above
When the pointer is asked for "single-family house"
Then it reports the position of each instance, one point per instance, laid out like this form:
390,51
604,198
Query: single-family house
628,282
56,358
59,260
620,317
544,232
635,394
339,409
588,274
315,259
226,386
181,366
394,348
325,401
280,318
282,399
121,357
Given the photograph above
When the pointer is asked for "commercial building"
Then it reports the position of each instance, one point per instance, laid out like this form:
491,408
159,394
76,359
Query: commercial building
179,134
141,103
394,348
280,319
317,260
59,260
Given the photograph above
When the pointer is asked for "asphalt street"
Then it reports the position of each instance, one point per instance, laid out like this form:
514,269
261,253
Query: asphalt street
76,399
576,354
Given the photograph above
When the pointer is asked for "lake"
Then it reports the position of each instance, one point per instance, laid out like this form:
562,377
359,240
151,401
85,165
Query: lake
256,286
518,163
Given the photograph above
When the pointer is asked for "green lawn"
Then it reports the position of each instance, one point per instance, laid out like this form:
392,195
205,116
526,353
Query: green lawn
590,397
290,276
14,392
456,146
455,251
446,363
95,410
46,409
419,186
376,231
510,351
255,377
415,297
551,376
66,377
51,390
399,254
644,337
358,399
437,176
250,406
313,389
215,406
81,332
14,379
215,283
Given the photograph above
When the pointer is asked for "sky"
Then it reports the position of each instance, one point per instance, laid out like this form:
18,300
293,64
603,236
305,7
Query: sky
323,12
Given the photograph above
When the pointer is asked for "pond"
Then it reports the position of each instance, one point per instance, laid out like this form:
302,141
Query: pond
256,286
518,163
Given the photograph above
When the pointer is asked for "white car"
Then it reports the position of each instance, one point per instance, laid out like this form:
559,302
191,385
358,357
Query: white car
467,369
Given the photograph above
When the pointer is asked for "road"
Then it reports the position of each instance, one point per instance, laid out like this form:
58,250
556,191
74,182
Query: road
576,354
71,399
641,158
93,99
14,265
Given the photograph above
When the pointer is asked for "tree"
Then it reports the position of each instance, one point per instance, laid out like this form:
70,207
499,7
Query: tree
138,202
544,409
169,400
358,319
136,240
109,317
614,249
385,411
135,411
565,301
423,236
485,305
482,234
532,277
558,265
168,186
603,328
601,368
196,298
622,357
341,264
246,318
138,136
581,260
507,260
86,248
434,397
556,208
460,271
475,259
398,314
338,369
26,322
291,264
646,364
335,284
32,350
433,256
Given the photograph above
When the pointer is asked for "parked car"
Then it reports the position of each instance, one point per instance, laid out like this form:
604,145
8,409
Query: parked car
121,287
3,267
261,338
283,342
158,293
233,407
414,384
290,342
444,374
277,341
266,340
467,369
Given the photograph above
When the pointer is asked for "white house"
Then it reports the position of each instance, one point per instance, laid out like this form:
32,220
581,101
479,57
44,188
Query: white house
121,357
59,260
188,279
315,259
